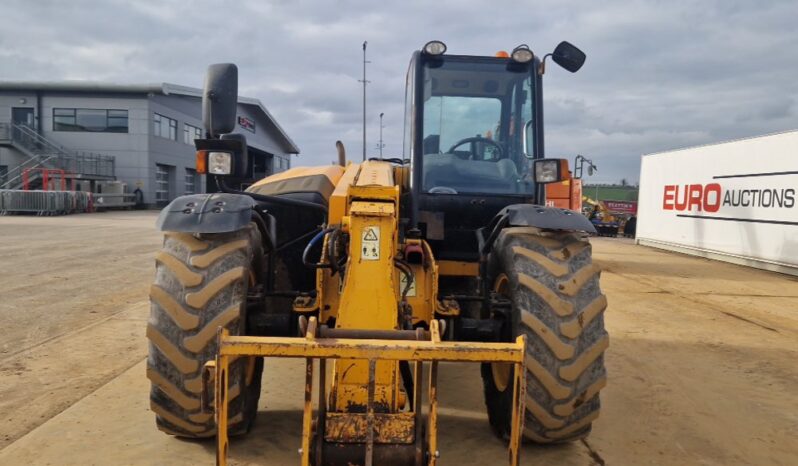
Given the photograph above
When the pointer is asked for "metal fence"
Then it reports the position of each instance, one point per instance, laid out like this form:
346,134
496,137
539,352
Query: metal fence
44,202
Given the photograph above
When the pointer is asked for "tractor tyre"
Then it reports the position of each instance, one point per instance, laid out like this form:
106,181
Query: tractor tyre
557,303
201,284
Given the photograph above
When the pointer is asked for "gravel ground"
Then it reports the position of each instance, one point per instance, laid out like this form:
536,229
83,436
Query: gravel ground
701,362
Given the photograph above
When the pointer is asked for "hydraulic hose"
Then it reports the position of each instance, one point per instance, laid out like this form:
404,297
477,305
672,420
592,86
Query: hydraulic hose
315,240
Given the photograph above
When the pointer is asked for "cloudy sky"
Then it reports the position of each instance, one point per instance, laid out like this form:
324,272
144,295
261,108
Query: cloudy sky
659,74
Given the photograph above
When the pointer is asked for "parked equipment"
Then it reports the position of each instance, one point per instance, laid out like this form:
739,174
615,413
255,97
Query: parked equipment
567,194
447,254
605,222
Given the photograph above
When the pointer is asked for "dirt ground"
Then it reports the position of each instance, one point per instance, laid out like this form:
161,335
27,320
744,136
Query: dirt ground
702,362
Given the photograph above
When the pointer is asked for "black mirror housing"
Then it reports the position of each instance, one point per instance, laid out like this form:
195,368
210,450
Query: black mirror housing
569,56
220,99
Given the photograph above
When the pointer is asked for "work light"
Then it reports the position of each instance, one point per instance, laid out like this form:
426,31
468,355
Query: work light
522,54
550,170
220,163
434,47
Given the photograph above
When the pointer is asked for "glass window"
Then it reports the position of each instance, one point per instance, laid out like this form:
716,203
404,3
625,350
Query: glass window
191,181
164,127
190,133
161,183
453,119
64,119
117,121
90,120
473,116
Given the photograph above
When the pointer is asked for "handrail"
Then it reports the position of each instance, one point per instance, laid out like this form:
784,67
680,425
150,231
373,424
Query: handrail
43,152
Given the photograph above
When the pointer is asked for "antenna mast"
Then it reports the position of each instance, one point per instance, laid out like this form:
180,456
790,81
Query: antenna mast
381,145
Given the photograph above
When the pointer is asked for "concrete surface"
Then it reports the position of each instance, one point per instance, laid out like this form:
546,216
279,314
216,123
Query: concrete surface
702,362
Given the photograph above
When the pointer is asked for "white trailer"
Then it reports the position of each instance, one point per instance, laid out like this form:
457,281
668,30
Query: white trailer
735,201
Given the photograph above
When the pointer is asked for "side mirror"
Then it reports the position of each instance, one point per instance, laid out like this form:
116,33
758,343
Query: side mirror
220,99
550,170
568,56
227,156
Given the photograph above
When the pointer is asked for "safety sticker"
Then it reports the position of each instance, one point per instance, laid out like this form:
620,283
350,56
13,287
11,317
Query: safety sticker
403,283
370,244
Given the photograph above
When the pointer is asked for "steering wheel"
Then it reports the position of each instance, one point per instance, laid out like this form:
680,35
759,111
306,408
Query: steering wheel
442,190
496,156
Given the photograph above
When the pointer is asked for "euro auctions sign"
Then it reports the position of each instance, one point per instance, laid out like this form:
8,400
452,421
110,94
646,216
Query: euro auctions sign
738,199
710,198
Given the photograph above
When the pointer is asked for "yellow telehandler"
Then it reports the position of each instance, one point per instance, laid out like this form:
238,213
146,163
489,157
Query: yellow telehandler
374,271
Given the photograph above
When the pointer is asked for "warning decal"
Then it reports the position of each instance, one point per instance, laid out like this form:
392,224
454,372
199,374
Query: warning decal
403,283
370,245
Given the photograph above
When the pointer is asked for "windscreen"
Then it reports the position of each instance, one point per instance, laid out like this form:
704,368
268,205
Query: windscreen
474,115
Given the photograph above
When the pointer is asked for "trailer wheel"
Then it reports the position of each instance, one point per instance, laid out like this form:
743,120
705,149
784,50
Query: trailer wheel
201,283
557,303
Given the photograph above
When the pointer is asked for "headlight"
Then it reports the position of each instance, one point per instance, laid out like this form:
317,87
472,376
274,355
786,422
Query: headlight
522,54
220,163
434,47
548,170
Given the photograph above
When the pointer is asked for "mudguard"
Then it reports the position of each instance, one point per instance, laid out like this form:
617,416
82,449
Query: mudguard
206,213
548,218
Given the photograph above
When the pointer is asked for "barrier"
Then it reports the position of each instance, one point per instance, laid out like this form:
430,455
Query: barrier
44,202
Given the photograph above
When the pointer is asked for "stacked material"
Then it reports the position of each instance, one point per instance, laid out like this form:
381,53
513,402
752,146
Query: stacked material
44,202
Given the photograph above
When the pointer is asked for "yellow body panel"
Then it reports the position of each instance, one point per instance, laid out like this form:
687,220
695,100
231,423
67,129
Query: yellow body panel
458,268
332,172
340,196
365,401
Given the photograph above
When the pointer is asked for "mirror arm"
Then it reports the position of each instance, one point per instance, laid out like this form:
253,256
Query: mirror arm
542,67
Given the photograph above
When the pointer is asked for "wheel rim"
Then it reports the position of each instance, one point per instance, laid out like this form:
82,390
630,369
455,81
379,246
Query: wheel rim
501,372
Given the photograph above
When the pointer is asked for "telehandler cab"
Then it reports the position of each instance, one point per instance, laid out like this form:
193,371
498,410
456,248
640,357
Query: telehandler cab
446,254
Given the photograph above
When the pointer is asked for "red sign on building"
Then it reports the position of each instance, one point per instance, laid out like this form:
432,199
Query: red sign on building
246,123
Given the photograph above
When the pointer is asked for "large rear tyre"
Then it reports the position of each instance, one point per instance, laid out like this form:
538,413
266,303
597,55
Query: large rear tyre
558,305
201,283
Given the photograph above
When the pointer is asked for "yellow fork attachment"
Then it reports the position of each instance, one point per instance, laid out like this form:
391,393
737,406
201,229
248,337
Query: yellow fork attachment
418,351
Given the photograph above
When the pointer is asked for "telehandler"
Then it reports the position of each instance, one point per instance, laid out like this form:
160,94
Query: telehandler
373,271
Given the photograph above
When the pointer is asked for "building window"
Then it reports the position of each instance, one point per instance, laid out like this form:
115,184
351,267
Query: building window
161,183
191,181
190,133
3,174
282,163
90,120
164,127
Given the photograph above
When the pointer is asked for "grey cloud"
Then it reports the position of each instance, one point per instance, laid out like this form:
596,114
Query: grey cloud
659,75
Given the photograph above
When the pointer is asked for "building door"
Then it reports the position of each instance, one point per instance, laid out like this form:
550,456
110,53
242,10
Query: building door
162,188
22,116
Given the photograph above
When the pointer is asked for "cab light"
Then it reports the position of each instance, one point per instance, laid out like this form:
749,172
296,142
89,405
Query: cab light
522,54
434,47
220,163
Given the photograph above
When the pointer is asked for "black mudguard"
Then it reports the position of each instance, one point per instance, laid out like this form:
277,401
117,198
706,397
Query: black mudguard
207,213
547,218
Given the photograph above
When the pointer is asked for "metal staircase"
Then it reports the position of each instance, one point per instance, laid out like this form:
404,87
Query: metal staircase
41,152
